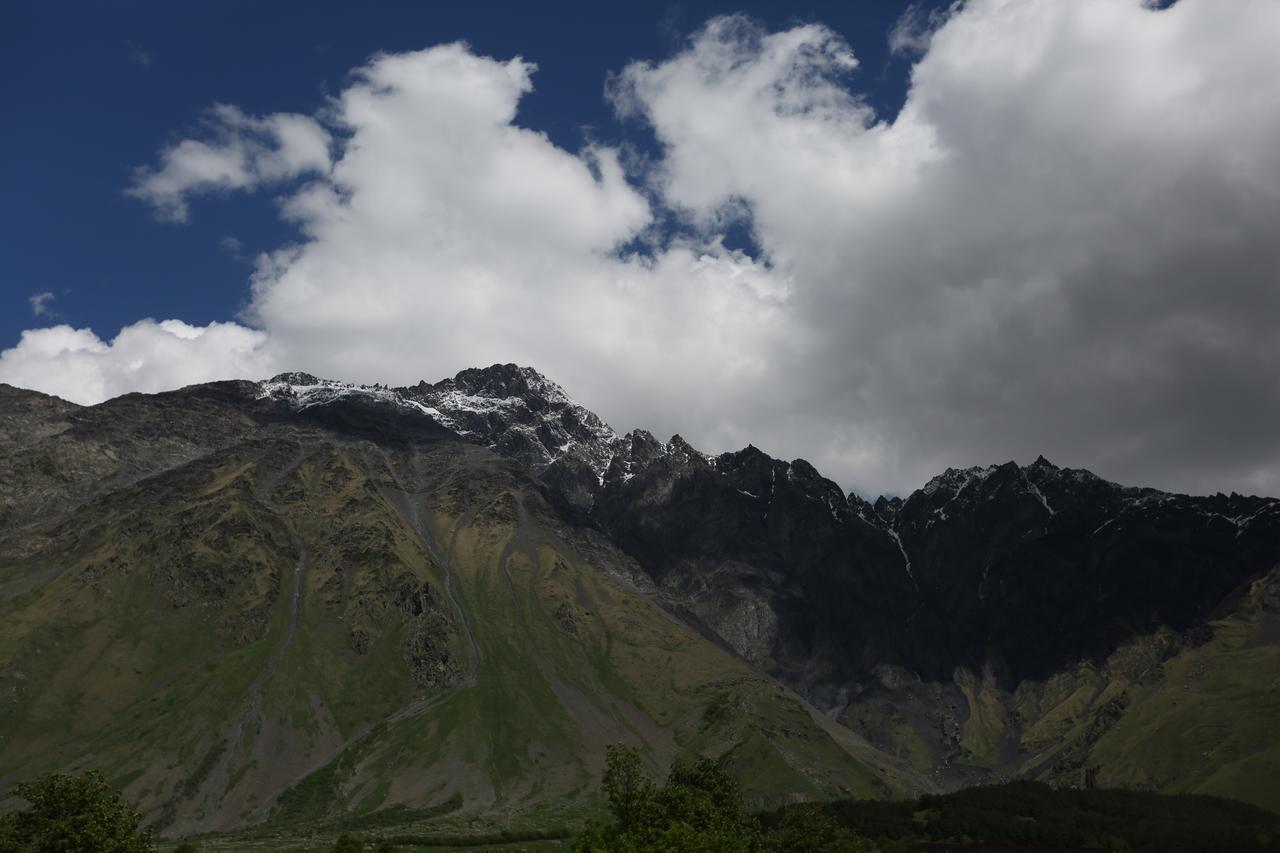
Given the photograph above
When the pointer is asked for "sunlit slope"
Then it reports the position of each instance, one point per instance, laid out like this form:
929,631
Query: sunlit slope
564,655
358,627
1174,712
213,632
1208,725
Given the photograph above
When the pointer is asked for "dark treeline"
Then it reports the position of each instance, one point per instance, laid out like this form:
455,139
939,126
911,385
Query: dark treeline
699,808
1033,816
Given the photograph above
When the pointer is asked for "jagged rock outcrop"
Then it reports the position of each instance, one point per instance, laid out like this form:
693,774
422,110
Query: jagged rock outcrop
1022,567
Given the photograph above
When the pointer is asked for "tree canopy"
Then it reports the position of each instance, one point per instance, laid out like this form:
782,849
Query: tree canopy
68,813
698,810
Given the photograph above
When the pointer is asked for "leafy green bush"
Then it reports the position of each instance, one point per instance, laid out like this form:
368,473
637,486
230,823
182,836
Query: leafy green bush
348,844
699,808
807,828
73,813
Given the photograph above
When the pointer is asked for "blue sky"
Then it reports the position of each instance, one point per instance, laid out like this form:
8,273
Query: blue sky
735,221
93,90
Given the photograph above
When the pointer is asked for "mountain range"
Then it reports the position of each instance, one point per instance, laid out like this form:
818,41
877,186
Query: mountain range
287,603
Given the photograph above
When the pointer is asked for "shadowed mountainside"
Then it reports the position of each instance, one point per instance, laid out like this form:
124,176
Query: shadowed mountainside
351,610
300,601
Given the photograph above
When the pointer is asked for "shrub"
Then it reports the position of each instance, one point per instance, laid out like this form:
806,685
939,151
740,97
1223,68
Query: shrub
73,813
347,844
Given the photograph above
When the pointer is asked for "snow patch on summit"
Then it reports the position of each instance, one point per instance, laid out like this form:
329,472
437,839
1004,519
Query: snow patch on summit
303,391
954,481
514,410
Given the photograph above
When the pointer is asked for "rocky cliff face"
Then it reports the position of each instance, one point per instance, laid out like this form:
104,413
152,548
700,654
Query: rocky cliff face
1035,566
960,628
27,418
1019,568
63,455
999,621
515,411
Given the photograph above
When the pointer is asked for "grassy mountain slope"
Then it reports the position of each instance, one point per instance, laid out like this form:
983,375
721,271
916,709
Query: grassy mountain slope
306,624
264,620
1208,724
1176,712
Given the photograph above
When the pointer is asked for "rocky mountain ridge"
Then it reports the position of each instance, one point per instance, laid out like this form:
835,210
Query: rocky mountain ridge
522,414
515,411
1006,620
1003,575
251,610
964,544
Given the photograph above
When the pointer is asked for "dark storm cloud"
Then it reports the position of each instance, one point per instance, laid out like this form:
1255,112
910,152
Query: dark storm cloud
1064,243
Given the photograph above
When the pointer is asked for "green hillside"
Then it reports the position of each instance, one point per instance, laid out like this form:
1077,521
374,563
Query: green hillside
308,630
1175,712
267,629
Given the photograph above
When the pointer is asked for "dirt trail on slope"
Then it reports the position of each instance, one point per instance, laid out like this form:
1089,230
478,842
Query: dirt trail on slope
205,810
527,539
409,506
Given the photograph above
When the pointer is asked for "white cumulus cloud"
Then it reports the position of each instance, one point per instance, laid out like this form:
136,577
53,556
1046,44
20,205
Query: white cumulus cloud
1064,243
914,29
1060,245
148,356
450,236
40,303
242,153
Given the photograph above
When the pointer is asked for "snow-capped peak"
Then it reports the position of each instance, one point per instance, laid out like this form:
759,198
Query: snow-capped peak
304,391
953,481
515,410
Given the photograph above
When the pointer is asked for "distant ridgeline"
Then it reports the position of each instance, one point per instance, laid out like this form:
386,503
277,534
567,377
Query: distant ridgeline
312,605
